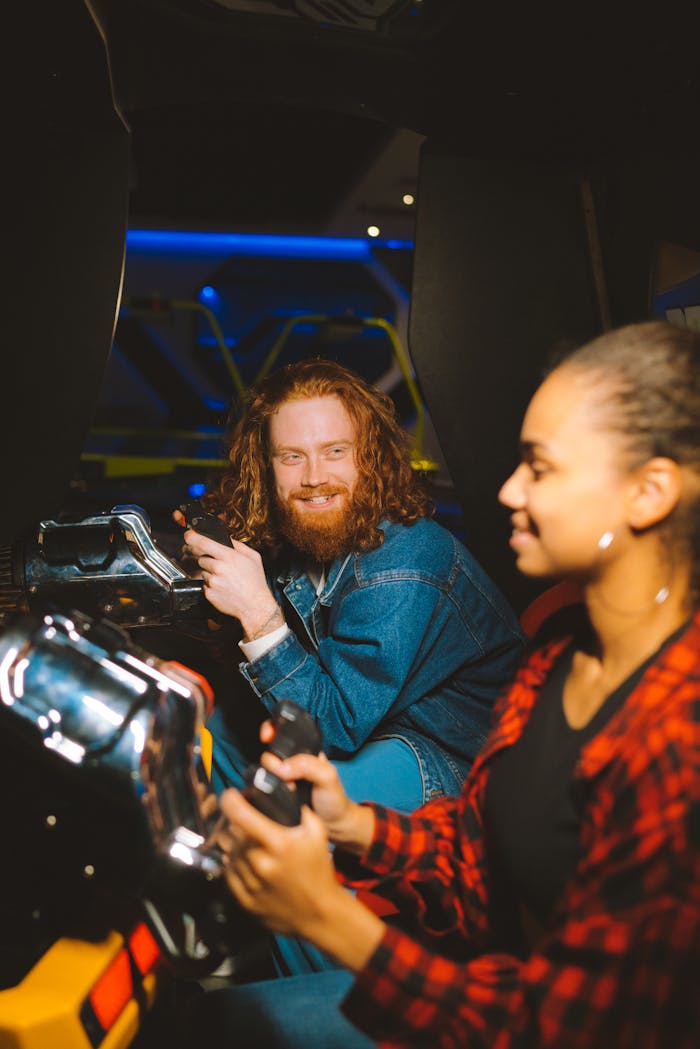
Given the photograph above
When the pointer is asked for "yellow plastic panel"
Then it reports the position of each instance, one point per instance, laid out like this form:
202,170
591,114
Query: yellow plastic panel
44,1009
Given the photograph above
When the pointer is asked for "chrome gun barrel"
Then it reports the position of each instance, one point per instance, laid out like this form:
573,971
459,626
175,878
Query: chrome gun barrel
105,564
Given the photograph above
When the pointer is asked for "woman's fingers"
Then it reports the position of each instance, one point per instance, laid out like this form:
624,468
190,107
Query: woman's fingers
267,731
248,821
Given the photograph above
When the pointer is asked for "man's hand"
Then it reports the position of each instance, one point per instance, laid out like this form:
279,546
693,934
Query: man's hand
235,584
186,557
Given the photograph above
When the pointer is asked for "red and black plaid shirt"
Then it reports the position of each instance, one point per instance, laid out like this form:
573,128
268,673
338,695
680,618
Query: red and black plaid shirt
618,964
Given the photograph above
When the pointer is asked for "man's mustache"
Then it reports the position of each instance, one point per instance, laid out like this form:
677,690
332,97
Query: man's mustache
317,492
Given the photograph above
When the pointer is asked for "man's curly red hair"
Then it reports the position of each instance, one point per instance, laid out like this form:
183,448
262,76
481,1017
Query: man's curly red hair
387,486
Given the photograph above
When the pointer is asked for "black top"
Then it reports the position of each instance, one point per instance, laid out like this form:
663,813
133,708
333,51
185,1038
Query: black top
533,805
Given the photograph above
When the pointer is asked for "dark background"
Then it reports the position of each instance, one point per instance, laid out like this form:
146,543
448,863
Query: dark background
263,116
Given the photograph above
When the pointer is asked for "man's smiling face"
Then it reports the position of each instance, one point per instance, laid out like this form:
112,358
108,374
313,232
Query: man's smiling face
312,445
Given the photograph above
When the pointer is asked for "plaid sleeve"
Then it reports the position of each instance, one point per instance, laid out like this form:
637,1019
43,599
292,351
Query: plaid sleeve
408,996
600,981
430,866
399,840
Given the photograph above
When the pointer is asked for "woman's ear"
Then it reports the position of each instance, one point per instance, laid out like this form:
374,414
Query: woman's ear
655,492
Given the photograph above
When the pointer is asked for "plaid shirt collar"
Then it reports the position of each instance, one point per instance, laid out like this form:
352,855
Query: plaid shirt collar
666,673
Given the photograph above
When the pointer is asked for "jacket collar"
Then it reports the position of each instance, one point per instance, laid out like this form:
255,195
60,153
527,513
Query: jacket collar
295,569
291,567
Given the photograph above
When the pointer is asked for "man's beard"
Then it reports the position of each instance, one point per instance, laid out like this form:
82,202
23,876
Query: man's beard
323,534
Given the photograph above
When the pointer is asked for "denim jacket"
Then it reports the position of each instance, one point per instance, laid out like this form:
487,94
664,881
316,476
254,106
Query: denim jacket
411,640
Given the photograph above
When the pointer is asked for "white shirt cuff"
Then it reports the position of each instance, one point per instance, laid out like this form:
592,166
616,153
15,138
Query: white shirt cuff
253,650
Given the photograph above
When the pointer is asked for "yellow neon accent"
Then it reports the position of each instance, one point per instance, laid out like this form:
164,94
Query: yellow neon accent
137,466
197,307
140,465
206,748
425,465
44,1009
231,365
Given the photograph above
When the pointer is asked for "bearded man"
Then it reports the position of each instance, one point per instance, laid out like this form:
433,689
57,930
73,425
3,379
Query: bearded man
352,601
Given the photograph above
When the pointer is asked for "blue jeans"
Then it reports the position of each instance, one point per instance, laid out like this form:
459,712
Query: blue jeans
385,770
301,1012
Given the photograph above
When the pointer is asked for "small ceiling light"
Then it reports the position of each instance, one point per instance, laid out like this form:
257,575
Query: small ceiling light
373,231
408,199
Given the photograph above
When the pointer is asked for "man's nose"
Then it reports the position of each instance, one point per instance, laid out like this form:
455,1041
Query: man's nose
315,471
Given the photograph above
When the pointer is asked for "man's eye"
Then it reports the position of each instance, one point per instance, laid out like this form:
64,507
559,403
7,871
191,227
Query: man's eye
336,453
537,470
291,458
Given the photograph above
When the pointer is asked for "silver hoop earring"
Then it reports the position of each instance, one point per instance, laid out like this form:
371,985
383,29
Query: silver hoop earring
605,540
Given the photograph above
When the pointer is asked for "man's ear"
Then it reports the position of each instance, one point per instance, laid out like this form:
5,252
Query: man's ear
655,492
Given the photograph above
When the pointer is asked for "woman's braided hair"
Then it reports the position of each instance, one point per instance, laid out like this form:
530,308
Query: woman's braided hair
648,375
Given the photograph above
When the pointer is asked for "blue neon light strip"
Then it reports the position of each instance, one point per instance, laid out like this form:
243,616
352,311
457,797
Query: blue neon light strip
171,242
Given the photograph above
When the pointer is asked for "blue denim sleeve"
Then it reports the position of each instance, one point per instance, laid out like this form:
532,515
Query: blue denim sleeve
389,643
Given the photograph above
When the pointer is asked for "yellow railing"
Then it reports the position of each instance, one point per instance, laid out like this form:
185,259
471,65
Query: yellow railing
139,465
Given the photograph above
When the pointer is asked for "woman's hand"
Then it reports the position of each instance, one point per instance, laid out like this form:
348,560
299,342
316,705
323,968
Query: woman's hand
345,823
284,875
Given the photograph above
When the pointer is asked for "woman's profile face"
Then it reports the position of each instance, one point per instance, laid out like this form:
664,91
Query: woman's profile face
570,487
